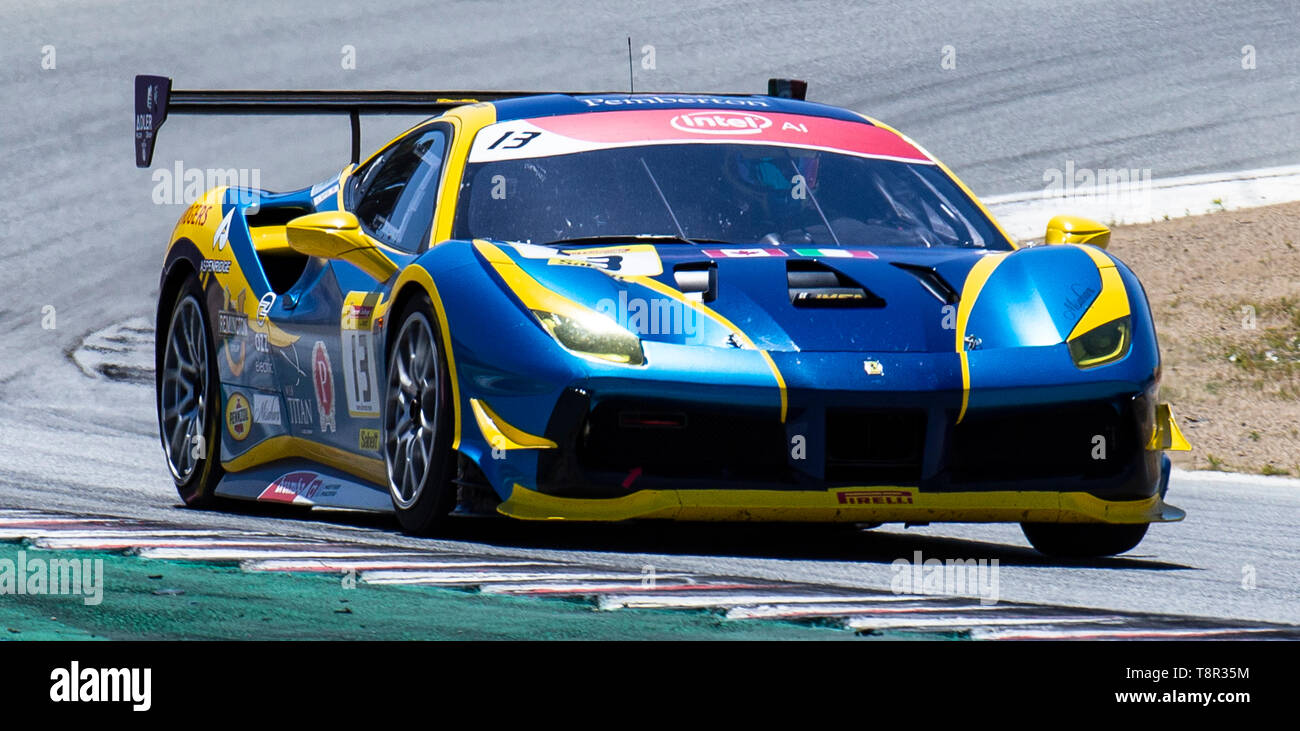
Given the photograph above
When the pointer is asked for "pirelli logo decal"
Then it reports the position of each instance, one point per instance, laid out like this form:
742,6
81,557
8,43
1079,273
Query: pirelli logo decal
874,497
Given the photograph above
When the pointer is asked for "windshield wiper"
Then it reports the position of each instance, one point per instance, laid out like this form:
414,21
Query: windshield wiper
632,238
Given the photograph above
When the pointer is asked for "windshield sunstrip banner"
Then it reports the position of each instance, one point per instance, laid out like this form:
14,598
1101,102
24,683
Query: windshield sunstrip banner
566,134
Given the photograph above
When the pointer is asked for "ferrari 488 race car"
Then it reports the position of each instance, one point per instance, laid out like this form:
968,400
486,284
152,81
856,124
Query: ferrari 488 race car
610,306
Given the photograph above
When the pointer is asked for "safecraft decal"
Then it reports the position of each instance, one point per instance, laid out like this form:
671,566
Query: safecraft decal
368,440
239,417
358,339
323,379
570,133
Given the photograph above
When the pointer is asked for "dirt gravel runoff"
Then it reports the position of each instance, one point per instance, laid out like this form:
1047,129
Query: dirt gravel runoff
1225,291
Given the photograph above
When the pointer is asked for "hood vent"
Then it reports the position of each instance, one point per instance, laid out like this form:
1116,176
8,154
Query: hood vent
814,284
933,283
697,280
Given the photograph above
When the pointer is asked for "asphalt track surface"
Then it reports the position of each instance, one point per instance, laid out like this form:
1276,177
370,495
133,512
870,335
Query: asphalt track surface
1156,85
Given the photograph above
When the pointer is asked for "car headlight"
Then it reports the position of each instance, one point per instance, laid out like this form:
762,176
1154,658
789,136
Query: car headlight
593,335
1102,344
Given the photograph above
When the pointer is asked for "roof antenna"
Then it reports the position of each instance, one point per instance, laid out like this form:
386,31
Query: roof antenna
631,82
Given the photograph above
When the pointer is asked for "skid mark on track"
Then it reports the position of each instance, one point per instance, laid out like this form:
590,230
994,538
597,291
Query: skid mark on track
609,589
122,351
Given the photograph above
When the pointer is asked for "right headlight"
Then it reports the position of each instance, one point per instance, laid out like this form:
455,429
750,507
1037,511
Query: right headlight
1102,344
592,334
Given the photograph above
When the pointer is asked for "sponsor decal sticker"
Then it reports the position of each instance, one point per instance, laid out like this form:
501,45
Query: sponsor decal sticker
298,487
368,441
837,253
239,416
358,340
874,497
216,266
232,327
873,367
300,411
720,123
196,214
266,409
743,253
264,306
323,380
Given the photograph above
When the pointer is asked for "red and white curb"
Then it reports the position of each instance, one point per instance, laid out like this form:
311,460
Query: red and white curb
611,589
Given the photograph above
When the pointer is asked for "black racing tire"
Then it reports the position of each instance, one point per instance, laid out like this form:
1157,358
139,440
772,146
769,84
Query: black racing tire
1084,540
417,422
188,377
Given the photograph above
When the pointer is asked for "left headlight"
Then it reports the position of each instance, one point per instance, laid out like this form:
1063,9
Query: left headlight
1102,344
594,335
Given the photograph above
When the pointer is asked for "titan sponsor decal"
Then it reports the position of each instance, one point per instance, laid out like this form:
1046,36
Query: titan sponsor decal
368,441
874,497
232,327
299,487
300,411
239,417
720,123
742,253
266,409
358,340
837,253
214,266
323,379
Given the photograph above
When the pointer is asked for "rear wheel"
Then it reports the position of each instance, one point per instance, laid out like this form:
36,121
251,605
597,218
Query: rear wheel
1083,540
189,411
417,423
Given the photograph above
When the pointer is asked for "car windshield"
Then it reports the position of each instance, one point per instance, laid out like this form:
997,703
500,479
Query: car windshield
771,195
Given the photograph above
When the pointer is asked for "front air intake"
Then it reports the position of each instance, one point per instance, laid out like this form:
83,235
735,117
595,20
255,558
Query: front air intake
814,284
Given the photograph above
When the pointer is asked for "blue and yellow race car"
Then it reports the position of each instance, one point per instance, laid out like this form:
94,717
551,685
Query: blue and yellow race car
610,306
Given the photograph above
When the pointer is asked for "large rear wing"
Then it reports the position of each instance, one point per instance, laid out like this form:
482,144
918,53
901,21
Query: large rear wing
155,100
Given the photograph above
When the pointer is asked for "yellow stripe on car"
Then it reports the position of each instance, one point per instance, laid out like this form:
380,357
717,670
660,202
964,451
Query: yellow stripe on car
841,504
970,291
500,434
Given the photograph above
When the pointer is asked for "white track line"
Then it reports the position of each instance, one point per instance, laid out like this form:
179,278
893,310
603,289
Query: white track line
116,544
242,554
485,577
40,522
1115,634
1025,215
591,588
963,622
731,599
378,564
843,609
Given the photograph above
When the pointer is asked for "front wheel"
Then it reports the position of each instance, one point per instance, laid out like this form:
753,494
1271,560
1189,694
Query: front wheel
417,422
189,410
1083,540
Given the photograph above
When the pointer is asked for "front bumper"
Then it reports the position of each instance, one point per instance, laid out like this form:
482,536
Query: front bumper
884,452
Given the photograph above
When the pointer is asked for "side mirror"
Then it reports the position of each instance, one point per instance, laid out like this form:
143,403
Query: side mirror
338,235
1076,230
